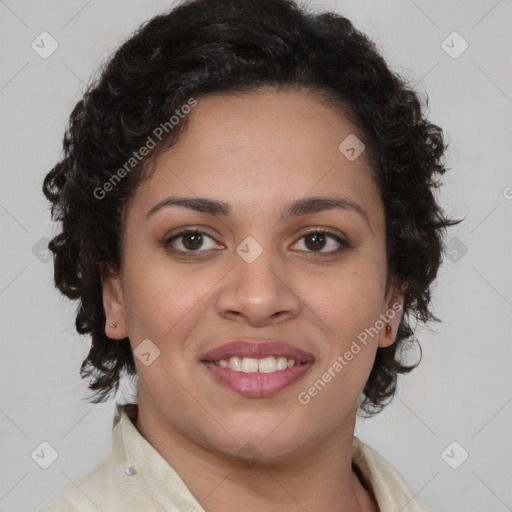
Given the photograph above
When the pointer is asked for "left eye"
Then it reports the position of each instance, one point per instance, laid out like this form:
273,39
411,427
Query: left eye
314,241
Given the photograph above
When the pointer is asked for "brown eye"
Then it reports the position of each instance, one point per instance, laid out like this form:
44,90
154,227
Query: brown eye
317,241
188,241
192,241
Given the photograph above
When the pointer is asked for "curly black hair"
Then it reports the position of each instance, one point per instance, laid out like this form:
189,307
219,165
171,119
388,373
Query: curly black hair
206,46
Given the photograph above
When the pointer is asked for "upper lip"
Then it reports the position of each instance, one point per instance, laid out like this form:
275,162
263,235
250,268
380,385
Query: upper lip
258,349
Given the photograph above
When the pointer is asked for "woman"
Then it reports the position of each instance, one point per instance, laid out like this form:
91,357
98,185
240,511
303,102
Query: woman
249,225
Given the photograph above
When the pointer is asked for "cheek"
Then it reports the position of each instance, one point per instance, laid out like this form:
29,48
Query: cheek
163,300
349,303
343,368
348,300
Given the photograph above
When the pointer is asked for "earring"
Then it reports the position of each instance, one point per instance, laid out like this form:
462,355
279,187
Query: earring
388,329
113,325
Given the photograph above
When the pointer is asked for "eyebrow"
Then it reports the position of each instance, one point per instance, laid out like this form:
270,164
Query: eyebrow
302,206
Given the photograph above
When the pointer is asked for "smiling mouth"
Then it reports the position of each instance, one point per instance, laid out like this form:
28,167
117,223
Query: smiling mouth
257,365
257,378
256,368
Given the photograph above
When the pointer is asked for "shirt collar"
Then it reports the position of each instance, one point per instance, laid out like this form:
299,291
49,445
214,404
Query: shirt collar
141,460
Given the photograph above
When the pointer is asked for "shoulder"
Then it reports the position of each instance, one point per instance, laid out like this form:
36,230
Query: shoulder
134,477
388,485
112,485
106,488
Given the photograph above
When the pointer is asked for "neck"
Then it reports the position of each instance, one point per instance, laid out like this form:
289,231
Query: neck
320,478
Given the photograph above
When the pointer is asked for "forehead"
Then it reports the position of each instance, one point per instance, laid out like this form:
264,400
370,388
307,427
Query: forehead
272,126
262,149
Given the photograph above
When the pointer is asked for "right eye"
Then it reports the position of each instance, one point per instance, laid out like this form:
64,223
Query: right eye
187,241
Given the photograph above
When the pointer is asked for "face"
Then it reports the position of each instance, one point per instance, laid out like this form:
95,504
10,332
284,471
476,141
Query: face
311,278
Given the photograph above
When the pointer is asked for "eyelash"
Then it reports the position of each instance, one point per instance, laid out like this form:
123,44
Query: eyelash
188,231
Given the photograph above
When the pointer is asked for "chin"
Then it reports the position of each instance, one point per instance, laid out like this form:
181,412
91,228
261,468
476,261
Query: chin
270,441
262,451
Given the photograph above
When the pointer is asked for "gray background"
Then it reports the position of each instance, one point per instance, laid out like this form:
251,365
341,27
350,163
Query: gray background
461,392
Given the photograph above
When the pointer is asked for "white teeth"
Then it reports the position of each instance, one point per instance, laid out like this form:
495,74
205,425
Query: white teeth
282,363
235,363
252,365
249,365
267,364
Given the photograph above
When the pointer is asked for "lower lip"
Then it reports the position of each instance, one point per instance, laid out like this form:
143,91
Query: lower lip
258,384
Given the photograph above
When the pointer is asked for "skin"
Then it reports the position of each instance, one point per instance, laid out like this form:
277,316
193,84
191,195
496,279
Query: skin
265,149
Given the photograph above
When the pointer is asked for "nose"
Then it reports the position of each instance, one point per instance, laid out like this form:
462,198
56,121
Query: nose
258,293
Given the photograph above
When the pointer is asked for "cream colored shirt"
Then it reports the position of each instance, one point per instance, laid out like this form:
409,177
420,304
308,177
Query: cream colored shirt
136,478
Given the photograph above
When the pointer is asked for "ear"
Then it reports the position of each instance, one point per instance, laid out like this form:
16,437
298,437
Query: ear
113,304
391,314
